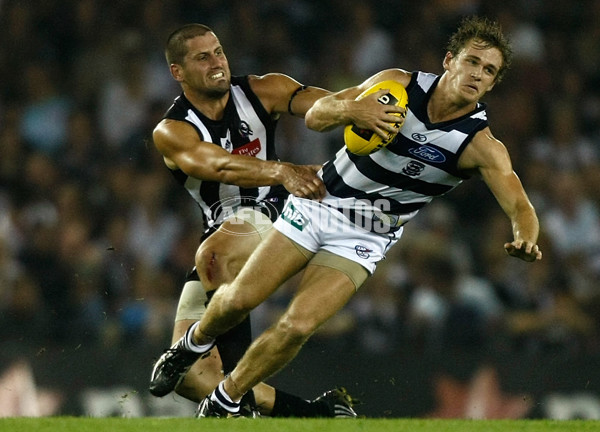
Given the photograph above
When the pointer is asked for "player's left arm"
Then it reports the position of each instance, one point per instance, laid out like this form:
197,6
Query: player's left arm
342,108
280,93
489,157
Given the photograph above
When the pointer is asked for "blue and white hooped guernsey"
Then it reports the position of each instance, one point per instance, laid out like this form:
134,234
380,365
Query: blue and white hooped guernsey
389,187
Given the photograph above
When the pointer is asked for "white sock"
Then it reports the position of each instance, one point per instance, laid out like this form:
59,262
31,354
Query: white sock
190,345
220,396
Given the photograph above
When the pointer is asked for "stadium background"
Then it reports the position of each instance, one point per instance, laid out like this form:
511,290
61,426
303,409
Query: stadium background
95,236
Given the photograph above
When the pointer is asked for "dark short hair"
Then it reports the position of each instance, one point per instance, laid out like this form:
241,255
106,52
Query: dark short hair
484,30
176,48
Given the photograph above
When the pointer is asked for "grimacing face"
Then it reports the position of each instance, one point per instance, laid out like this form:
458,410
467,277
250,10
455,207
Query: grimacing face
205,68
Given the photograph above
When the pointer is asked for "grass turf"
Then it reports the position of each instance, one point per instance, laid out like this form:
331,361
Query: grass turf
83,424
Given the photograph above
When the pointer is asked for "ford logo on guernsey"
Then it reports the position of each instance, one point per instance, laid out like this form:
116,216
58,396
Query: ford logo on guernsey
428,154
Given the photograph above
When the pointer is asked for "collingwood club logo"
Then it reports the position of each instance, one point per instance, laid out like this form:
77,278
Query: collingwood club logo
245,130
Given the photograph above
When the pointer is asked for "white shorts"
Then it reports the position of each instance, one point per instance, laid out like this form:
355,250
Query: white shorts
316,226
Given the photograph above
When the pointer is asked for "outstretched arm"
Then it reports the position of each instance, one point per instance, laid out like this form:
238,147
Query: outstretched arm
489,156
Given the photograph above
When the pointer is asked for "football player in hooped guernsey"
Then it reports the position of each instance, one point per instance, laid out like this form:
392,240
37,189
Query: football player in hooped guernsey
444,139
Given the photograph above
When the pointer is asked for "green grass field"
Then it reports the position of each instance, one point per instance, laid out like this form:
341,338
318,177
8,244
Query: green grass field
79,424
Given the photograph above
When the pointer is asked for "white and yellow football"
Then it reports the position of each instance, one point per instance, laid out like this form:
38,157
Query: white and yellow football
363,141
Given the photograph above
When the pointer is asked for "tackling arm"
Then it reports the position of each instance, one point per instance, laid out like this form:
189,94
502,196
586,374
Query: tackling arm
182,149
280,93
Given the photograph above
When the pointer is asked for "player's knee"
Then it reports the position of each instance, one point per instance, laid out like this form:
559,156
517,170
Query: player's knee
208,266
204,257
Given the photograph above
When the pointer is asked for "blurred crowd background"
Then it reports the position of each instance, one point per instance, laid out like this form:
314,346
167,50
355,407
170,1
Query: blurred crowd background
96,237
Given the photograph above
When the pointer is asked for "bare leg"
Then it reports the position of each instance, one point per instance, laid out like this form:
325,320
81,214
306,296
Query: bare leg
276,260
221,256
323,291
219,259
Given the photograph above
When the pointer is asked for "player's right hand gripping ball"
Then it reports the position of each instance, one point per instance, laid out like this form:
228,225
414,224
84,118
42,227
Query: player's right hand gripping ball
364,141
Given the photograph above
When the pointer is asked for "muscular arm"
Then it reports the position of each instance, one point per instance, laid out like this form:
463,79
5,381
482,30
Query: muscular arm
182,149
278,94
341,108
490,158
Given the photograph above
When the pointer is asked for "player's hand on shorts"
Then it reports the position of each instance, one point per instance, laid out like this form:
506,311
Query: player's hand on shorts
526,251
302,181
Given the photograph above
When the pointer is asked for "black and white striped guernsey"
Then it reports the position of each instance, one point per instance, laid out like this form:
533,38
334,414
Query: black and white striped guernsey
246,129
384,190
